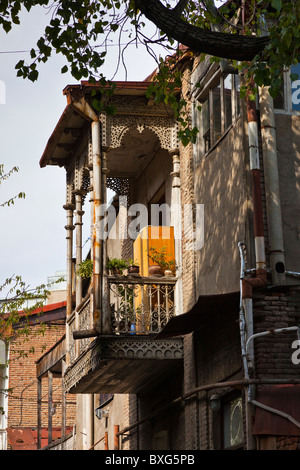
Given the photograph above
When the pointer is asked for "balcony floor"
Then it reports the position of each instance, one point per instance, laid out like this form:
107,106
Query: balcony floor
123,364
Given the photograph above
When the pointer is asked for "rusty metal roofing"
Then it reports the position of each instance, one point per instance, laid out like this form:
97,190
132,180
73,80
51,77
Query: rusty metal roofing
284,398
26,438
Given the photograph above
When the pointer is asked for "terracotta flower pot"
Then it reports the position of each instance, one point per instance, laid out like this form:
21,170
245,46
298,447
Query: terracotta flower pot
155,270
133,269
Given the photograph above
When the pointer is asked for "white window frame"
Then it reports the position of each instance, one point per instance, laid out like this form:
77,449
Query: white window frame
200,149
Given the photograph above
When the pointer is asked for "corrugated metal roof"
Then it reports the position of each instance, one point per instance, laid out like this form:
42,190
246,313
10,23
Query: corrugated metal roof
26,438
192,320
284,398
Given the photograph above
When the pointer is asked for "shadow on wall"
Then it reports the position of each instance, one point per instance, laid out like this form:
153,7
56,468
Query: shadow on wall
220,186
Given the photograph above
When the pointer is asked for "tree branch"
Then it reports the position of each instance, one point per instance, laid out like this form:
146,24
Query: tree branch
181,5
223,45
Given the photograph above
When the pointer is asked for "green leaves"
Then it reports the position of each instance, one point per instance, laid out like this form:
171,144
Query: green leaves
82,30
277,4
3,177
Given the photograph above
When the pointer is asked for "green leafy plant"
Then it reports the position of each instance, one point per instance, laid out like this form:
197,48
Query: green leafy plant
116,265
132,262
161,258
85,269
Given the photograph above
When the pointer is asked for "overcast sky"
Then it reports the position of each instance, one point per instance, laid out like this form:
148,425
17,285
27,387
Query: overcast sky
32,235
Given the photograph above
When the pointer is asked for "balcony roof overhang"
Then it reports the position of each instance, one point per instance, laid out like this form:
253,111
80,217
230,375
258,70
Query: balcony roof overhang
123,364
194,318
52,360
75,118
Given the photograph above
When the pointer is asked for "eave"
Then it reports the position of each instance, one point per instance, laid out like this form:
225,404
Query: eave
116,364
77,115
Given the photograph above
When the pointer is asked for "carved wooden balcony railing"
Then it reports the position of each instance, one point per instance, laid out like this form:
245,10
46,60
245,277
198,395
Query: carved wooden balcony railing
137,306
141,305
79,320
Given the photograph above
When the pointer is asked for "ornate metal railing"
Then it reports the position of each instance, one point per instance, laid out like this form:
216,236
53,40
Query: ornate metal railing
141,305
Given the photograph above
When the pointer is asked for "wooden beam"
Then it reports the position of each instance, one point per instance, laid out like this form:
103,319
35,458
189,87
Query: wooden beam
50,405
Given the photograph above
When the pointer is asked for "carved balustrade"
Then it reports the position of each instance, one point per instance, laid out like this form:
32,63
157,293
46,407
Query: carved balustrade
141,305
137,306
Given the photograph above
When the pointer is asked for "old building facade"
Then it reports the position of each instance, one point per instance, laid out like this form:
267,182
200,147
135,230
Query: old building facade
20,401
201,358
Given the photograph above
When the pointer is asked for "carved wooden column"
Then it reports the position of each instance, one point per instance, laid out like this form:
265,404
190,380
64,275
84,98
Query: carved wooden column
105,320
78,225
96,241
69,237
176,218
91,201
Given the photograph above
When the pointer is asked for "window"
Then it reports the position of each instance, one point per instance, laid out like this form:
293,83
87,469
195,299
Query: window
219,108
233,423
228,422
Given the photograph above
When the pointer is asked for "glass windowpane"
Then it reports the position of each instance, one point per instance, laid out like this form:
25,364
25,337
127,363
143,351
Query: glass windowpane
216,118
227,101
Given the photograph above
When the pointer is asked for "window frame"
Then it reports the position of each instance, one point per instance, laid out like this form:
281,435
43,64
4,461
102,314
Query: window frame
206,93
218,423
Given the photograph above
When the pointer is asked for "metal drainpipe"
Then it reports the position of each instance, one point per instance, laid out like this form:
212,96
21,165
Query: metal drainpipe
276,250
256,189
260,280
105,321
96,242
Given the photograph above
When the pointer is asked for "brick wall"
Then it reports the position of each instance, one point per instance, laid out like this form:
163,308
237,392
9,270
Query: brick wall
22,403
273,352
218,358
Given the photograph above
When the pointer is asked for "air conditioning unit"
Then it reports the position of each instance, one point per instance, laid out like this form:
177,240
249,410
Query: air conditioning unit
101,413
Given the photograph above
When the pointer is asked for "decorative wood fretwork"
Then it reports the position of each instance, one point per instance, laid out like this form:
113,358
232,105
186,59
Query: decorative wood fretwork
70,188
78,377
120,186
135,113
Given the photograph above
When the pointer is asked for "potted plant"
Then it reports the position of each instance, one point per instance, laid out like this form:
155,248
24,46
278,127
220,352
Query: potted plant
116,265
163,264
85,269
133,267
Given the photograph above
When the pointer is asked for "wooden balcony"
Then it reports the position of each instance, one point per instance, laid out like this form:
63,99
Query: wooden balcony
129,358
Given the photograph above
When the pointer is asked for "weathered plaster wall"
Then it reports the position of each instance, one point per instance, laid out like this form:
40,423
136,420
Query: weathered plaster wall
220,186
288,146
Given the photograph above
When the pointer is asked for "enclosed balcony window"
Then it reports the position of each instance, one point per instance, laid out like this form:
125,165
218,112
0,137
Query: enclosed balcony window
219,108
206,124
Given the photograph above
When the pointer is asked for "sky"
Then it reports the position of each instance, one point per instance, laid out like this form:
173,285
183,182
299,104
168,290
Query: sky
32,233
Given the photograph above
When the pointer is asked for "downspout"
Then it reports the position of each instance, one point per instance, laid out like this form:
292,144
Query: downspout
269,146
260,280
97,242
256,189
